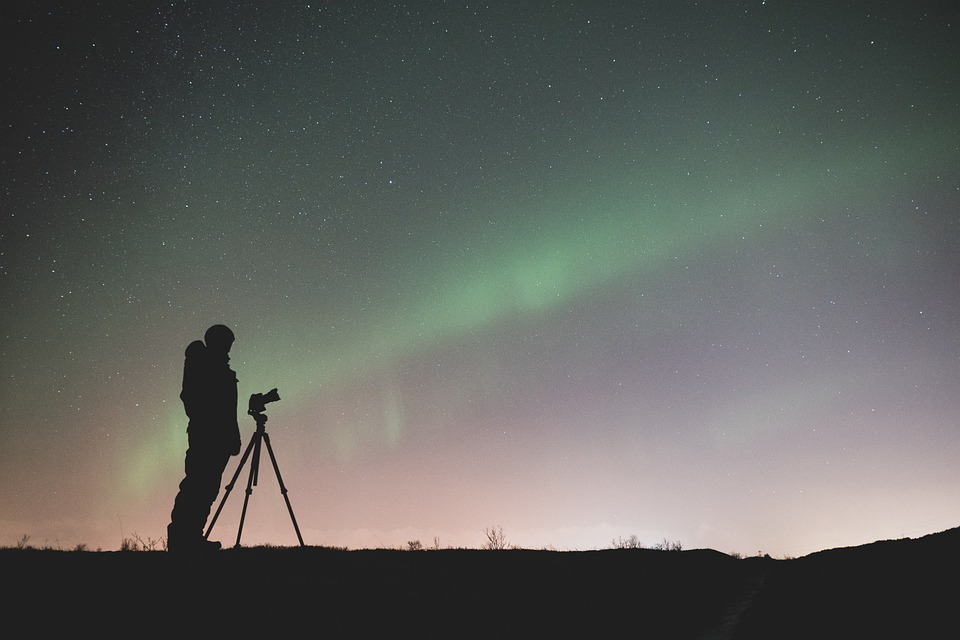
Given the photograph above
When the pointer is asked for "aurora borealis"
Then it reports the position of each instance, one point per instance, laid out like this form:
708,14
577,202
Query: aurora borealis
683,270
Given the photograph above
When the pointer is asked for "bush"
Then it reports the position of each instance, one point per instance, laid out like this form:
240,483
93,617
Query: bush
495,538
136,543
667,545
633,542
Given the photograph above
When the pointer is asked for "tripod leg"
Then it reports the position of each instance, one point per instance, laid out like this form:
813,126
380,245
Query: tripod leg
283,489
251,480
229,486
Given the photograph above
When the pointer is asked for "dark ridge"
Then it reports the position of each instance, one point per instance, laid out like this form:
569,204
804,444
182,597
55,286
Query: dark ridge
900,588
887,589
437,593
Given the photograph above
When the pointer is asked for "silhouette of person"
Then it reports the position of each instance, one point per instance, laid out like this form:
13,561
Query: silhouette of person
209,396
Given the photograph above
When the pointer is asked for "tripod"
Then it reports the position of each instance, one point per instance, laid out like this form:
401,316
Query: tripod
259,436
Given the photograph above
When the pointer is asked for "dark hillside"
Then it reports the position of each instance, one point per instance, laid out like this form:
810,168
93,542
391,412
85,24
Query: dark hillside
892,589
444,593
889,589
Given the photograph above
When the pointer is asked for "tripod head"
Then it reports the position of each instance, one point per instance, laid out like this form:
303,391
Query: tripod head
257,405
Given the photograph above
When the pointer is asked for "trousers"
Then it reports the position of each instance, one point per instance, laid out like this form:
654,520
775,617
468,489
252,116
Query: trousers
203,472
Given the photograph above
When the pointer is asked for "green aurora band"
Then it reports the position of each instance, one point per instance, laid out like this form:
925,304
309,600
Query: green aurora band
587,241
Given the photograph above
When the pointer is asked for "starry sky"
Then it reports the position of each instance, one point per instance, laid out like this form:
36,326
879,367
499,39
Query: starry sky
581,270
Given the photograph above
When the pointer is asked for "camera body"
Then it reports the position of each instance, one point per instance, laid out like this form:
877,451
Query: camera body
259,401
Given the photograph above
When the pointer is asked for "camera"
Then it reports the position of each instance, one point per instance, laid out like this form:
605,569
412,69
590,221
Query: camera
259,401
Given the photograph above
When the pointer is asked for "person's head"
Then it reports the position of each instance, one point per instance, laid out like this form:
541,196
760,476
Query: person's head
195,350
218,339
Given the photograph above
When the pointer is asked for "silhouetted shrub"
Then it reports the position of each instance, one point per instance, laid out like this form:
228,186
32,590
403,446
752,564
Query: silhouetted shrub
495,538
136,543
668,545
633,542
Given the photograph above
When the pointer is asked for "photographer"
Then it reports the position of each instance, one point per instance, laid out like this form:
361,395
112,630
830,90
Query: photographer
209,396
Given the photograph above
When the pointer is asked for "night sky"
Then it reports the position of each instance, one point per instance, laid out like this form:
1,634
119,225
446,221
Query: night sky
580,270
